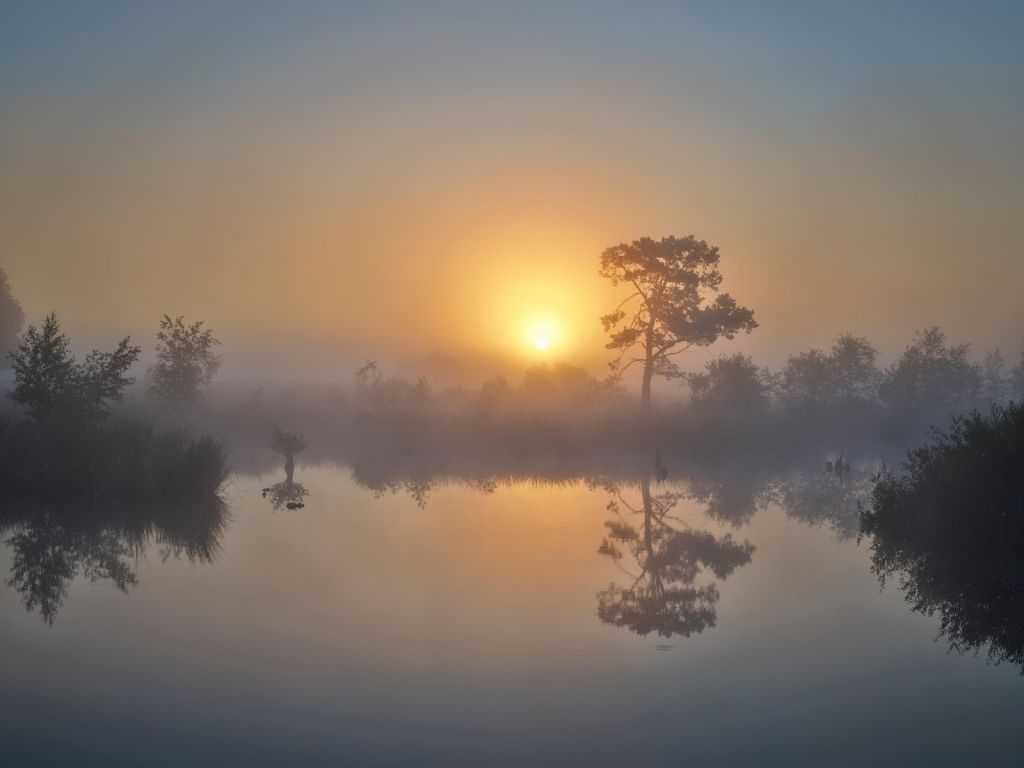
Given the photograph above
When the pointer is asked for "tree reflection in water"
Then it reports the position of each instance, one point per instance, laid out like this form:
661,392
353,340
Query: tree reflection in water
951,530
53,546
287,494
669,557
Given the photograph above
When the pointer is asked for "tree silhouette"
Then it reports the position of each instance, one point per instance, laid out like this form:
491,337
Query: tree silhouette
931,378
53,386
733,383
670,309
185,361
288,442
11,319
846,376
664,597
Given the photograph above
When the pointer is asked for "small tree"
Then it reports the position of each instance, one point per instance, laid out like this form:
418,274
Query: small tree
52,385
11,319
186,362
733,383
288,442
846,376
930,378
670,309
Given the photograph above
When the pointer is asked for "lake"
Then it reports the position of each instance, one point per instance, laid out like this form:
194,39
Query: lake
501,621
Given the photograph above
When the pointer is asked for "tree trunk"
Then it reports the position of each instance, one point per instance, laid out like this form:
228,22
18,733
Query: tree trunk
645,390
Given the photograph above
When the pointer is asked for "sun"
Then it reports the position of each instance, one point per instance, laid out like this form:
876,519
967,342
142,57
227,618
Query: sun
543,333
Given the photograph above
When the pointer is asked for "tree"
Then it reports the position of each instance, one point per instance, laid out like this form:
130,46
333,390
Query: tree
855,374
931,378
186,362
845,376
735,383
11,318
288,442
949,529
53,386
670,309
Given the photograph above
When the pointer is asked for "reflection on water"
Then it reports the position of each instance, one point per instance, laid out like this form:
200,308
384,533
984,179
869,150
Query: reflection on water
662,595
828,498
51,547
287,494
450,619
671,565
950,529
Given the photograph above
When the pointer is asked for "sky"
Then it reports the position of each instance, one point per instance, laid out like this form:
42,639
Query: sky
326,182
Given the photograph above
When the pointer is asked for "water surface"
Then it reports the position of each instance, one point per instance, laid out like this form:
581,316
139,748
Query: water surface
462,623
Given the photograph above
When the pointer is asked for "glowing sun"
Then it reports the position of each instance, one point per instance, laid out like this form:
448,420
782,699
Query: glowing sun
542,342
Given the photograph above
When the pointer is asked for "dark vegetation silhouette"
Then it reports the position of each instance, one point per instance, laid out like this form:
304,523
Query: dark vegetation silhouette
670,308
84,493
288,443
950,529
185,361
931,380
12,318
54,387
69,449
844,380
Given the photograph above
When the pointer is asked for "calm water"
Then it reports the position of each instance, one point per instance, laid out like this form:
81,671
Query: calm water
470,625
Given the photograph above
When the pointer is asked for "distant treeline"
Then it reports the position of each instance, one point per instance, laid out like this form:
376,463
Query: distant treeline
558,417
836,398
839,398
63,448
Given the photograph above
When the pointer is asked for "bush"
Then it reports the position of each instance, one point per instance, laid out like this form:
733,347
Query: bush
951,529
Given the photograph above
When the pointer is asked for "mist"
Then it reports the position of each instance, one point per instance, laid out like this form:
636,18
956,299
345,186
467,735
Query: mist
527,384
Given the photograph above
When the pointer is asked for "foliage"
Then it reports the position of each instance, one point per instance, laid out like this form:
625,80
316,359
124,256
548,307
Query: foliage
931,378
113,462
53,386
732,382
287,441
186,361
86,501
670,309
951,528
12,317
845,376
